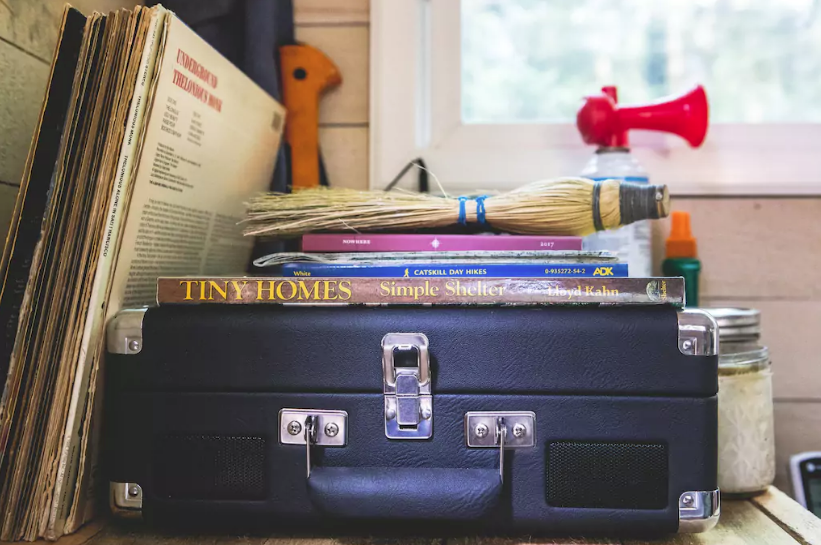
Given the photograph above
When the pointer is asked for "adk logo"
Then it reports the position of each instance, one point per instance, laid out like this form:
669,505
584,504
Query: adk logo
603,271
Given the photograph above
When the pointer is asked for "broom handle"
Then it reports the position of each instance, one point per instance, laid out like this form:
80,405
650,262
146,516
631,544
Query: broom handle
643,201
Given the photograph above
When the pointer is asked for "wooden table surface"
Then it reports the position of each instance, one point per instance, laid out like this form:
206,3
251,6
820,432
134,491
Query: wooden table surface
769,519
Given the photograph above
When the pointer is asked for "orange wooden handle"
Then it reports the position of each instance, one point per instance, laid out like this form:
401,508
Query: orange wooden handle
306,73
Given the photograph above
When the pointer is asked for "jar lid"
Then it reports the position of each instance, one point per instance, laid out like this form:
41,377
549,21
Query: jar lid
744,362
736,322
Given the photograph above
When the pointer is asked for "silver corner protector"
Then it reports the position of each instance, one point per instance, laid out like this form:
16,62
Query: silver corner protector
698,511
124,334
697,333
126,500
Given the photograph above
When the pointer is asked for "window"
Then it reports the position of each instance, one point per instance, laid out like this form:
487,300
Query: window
753,56
487,90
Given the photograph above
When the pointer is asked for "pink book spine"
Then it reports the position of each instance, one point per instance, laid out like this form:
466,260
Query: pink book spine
435,243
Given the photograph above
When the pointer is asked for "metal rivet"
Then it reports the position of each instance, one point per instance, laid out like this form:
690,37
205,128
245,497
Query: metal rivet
519,430
134,490
481,430
687,499
294,428
134,345
426,414
687,344
390,414
331,429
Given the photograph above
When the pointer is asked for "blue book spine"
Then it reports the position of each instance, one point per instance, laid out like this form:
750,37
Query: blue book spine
457,270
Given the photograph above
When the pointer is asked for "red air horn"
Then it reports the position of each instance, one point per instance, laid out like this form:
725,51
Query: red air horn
603,122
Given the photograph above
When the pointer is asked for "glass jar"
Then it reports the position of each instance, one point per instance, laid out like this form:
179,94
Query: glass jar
746,444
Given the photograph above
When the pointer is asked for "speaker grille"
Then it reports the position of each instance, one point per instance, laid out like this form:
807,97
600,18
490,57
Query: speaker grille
210,467
607,475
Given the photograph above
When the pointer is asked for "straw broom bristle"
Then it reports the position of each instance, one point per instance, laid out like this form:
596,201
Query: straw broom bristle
554,207
551,207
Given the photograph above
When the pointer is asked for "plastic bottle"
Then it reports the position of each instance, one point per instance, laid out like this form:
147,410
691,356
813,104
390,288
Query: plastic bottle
681,256
631,243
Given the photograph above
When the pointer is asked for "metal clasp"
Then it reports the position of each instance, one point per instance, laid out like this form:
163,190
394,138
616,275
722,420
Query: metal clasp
407,389
311,427
511,429
520,428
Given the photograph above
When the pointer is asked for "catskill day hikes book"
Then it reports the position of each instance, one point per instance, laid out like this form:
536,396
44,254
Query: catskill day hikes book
149,144
354,242
417,291
456,269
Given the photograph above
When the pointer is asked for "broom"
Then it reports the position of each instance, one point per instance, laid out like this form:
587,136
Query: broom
564,206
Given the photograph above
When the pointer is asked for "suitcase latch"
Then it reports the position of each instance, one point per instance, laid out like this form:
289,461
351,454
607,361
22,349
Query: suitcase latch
407,386
313,427
501,430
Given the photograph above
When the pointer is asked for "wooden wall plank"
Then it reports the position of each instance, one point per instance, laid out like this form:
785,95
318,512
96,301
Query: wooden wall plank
22,87
797,429
761,253
323,12
348,48
345,151
103,6
790,330
32,25
753,248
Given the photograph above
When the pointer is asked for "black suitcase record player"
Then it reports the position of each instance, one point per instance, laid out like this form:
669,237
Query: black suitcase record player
546,420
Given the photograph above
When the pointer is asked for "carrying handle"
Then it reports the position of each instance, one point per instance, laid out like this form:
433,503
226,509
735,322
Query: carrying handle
405,493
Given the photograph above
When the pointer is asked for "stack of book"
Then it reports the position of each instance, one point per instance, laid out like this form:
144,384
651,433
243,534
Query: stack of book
421,269
457,256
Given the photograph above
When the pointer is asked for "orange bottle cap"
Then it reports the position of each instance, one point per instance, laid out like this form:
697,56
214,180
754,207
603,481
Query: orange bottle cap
680,243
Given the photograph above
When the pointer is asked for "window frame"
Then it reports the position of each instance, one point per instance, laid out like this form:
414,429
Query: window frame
416,112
